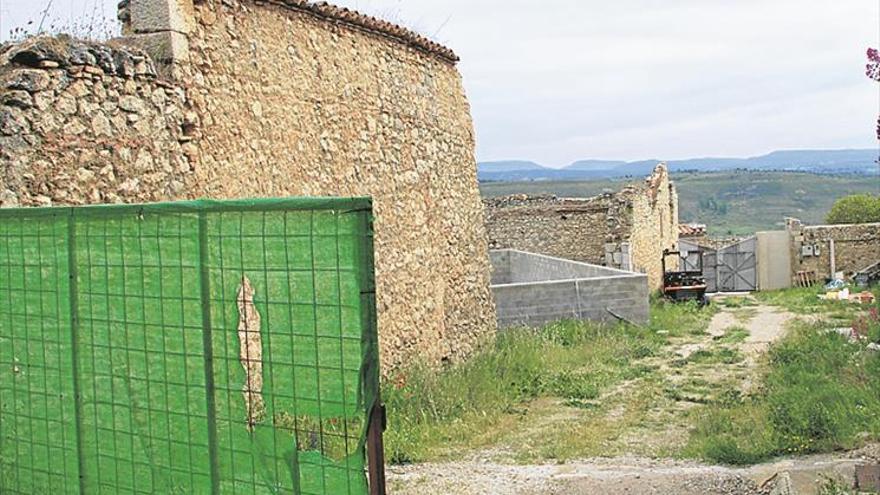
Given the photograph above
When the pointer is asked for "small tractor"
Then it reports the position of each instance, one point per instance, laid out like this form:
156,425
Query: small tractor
684,285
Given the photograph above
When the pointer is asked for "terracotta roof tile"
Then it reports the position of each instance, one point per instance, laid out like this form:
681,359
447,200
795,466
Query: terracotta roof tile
371,24
691,230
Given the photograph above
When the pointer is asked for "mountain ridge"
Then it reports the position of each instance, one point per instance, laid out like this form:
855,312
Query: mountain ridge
836,161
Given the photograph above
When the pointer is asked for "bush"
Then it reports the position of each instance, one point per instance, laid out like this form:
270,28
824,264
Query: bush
859,208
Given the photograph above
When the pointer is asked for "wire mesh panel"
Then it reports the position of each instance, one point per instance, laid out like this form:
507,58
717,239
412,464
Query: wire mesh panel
201,347
38,451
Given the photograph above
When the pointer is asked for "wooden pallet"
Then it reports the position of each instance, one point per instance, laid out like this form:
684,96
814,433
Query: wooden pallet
806,278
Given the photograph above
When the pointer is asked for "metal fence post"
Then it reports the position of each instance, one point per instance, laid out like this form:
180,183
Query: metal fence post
376,449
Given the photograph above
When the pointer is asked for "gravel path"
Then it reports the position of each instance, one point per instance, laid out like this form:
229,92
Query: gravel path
622,475
603,476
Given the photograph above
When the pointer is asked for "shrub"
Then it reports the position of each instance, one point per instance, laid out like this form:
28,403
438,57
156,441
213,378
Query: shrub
859,208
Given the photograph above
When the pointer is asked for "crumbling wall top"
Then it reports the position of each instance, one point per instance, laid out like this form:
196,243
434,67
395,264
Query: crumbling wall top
143,17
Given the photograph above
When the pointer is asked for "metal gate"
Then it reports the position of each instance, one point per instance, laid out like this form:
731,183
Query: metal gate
732,268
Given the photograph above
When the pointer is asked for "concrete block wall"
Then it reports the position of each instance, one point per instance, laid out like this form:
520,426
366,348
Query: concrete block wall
532,297
511,266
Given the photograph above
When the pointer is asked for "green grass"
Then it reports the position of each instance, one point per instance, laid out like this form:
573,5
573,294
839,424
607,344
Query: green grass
805,301
737,203
733,335
575,389
720,355
737,302
432,412
680,319
820,393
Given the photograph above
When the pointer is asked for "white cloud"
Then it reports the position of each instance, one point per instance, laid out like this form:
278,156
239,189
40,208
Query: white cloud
560,80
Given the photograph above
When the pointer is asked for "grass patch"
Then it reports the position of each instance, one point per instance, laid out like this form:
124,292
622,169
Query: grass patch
828,485
797,300
733,335
820,393
432,414
719,355
805,301
680,319
735,302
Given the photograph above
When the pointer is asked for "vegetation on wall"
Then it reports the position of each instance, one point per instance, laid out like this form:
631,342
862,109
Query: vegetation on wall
92,23
858,208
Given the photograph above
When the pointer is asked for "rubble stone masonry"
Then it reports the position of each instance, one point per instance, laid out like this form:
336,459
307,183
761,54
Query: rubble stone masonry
643,217
272,99
855,247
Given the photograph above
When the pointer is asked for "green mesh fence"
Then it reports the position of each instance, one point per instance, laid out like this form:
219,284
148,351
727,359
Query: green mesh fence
196,347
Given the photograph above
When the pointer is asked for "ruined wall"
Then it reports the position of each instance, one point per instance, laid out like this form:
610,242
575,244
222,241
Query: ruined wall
644,216
85,123
307,99
654,226
568,228
855,247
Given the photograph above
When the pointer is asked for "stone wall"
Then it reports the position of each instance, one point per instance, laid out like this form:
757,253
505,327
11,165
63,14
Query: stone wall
84,123
301,99
654,225
643,217
569,228
854,247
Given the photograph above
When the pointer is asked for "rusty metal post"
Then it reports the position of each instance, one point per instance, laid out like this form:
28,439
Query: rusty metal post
376,449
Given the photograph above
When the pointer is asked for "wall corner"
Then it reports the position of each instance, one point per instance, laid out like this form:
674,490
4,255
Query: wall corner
159,27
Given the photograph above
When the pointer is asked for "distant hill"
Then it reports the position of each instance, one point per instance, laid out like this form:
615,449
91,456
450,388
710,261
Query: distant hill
594,165
509,166
854,161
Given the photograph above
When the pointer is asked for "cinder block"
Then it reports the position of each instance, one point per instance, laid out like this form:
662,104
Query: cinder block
868,477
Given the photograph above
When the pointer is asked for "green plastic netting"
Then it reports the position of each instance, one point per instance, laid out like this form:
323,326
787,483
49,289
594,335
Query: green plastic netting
194,347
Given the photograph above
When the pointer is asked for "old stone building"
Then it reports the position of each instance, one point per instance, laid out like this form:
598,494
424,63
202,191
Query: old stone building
627,230
243,98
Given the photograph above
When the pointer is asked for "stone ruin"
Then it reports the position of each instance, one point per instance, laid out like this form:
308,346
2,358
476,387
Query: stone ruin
628,230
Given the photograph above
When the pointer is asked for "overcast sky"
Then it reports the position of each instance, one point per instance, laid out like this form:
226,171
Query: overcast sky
560,80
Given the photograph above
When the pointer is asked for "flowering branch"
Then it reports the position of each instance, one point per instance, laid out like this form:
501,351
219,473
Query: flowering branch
872,70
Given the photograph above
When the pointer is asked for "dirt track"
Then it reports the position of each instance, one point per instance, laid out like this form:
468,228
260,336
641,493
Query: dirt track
490,473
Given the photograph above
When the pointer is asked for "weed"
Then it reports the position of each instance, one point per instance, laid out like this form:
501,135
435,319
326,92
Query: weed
733,335
735,302
820,393
581,404
721,355
431,413
833,486
680,319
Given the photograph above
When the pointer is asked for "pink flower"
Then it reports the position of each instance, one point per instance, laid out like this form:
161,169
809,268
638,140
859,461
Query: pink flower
872,69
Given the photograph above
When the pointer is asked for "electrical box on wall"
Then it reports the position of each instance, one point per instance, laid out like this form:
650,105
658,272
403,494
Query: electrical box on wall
817,250
807,250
